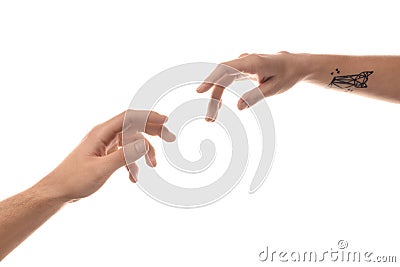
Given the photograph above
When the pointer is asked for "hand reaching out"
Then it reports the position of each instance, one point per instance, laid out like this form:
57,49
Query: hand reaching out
101,153
82,173
279,72
274,73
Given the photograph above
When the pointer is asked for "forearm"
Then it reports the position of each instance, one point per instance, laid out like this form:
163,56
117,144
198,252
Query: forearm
22,214
371,76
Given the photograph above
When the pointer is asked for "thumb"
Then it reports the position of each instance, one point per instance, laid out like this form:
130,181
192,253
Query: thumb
255,95
128,154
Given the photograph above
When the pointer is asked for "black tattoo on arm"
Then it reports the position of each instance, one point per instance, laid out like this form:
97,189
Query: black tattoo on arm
350,81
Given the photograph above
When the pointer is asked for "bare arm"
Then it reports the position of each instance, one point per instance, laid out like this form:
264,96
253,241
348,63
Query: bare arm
22,214
372,76
81,174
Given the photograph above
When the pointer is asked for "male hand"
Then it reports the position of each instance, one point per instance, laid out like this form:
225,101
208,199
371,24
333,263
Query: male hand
101,153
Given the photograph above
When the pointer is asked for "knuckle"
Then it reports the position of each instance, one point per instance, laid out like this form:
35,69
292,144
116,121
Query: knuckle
95,132
254,63
254,59
254,56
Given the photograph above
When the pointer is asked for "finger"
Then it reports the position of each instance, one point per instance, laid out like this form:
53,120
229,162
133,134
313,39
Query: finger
215,103
216,95
154,117
130,138
115,160
133,179
133,170
133,151
222,75
107,131
151,155
139,118
209,82
119,139
149,115
253,96
161,131
212,110
244,63
217,92
222,83
113,146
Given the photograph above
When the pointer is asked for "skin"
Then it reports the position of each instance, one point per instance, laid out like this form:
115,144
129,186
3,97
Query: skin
100,153
81,174
279,72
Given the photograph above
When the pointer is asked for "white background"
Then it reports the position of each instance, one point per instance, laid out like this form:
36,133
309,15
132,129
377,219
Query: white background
68,65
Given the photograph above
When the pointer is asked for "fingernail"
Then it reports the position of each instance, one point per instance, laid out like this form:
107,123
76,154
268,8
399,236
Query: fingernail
167,135
200,89
172,138
212,115
140,147
242,105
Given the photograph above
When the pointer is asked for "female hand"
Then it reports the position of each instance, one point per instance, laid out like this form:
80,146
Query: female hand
274,73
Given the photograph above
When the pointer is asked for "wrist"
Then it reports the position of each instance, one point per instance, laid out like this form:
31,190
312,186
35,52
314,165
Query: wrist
319,69
48,190
306,66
